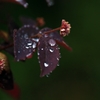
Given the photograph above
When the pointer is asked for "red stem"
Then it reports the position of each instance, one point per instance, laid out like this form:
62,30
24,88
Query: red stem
37,35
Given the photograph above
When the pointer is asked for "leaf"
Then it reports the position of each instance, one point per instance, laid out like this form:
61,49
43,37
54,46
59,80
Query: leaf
21,2
57,37
48,54
4,35
24,46
6,78
8,37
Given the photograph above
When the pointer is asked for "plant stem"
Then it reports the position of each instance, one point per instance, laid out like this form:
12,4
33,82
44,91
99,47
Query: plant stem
5,47
37,35
47,32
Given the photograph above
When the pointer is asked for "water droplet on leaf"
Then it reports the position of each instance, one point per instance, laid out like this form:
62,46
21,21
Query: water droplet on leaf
46,65
34,45
52,42
51,50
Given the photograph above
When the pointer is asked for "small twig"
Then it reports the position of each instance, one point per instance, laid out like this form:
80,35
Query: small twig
53,30
5,47
37,35
47,32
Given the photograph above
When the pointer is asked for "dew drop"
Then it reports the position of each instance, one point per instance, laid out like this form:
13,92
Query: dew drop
57,64
36,40
57,58
41,48
18,51
27,47
26,36
38,53
51,50
52,42
46,65
29,44
34,45
45,35
47,75
25,5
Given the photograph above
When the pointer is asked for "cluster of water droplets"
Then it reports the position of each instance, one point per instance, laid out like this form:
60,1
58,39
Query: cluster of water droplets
31,45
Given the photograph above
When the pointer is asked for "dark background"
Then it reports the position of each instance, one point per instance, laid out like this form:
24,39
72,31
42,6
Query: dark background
78,76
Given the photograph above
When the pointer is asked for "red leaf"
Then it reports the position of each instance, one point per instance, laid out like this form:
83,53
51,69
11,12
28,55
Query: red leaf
48,54
15,92
24,46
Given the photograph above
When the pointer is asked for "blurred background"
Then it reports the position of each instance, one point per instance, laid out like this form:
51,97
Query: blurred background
78,75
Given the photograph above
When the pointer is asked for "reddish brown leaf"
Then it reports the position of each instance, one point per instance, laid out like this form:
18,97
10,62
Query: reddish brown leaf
48,54
24,46
6,77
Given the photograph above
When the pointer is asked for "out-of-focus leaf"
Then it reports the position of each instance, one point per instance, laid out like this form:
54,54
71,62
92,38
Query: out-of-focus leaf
24,46
4,35
21,2
48,54
6,77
